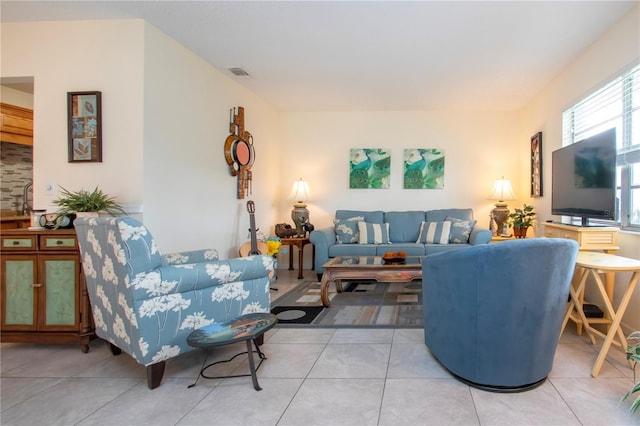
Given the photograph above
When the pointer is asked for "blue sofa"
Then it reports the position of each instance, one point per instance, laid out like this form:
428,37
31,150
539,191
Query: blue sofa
402,230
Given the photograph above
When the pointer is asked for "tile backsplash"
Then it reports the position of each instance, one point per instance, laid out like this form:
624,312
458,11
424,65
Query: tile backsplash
16,171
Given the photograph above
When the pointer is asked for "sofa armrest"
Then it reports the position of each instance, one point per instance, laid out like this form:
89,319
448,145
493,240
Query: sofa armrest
322,239
194,256
479,236
172,279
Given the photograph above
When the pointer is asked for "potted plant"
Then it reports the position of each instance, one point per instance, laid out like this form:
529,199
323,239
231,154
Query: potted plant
633,354
83,201
521,220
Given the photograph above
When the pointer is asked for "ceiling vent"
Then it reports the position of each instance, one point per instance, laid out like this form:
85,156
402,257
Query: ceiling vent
239,72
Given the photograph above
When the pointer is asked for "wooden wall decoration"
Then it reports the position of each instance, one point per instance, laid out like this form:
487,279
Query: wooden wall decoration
239,152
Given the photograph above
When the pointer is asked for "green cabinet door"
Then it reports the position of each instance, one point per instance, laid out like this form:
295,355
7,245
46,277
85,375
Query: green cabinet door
19,296
60,277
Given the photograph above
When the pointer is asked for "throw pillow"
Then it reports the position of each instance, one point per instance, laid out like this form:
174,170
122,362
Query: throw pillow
347,229
373,233
460,230
434,232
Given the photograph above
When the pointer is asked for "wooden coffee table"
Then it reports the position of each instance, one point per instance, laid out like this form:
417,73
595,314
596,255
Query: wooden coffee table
367,268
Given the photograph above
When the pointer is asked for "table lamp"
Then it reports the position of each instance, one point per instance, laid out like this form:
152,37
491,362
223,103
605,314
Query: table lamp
502,192
300,214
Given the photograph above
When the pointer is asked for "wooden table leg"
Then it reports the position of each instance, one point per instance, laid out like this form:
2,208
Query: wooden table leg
300,257
575,303
616,320
324,289
291,257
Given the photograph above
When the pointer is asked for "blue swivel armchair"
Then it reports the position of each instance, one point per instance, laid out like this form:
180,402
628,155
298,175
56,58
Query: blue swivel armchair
493,313
146,304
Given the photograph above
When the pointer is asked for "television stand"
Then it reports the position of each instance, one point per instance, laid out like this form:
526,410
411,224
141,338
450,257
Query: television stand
603,238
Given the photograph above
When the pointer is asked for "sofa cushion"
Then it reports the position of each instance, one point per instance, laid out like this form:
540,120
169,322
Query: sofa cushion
404,227
412,249
460,230
373,233
376,216
435,232
353,250
347,229
441,214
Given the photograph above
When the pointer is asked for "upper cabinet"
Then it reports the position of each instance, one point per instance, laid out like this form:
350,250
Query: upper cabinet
16,124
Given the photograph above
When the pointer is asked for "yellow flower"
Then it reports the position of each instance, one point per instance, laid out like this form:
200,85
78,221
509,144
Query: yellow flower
273,247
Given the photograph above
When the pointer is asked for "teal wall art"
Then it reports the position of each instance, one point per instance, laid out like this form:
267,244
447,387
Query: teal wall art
423,168
369,168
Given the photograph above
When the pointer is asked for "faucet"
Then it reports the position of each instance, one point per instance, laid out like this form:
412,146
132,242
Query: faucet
25,195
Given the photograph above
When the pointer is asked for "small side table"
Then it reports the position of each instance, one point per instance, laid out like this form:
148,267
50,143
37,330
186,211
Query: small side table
594,264
249,328
300,243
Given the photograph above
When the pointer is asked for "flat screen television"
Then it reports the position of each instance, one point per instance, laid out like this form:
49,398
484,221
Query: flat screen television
583,179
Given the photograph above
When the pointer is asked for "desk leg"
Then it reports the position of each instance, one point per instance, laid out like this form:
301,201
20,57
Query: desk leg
616,320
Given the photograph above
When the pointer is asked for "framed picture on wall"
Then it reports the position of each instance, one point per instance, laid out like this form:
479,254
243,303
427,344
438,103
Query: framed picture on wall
423,168
369,168
536,165
84,127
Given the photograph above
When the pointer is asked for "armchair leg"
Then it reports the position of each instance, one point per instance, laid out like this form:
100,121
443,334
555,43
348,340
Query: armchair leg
154,374
114,349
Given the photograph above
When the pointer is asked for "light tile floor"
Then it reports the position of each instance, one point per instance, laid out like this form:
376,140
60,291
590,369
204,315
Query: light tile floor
311,377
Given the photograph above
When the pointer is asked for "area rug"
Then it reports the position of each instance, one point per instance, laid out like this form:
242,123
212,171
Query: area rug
361,304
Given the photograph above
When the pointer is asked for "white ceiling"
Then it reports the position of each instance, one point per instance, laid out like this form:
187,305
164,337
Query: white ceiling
369,55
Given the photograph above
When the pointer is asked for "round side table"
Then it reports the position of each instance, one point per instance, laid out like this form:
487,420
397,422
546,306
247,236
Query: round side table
249,328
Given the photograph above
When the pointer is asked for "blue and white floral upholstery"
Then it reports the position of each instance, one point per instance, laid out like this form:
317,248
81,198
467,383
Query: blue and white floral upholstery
146,304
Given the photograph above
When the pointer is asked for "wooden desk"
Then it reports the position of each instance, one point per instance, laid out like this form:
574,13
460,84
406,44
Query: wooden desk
594,264
300,243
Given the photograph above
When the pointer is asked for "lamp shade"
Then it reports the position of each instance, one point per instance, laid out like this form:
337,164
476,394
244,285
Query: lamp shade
300,191
502,190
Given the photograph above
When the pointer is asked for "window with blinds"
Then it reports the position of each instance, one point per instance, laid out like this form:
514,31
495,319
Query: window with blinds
616,105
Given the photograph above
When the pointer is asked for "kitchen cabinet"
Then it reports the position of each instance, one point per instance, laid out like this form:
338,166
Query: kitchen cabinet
16,124
43,291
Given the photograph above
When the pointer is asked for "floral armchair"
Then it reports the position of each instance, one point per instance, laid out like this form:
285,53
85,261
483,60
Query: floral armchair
146,304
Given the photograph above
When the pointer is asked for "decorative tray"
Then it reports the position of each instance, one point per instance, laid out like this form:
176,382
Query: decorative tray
397,257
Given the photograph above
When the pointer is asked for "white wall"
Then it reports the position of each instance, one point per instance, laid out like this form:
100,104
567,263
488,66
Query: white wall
81,56
617,50
165,118
476,147
190,197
